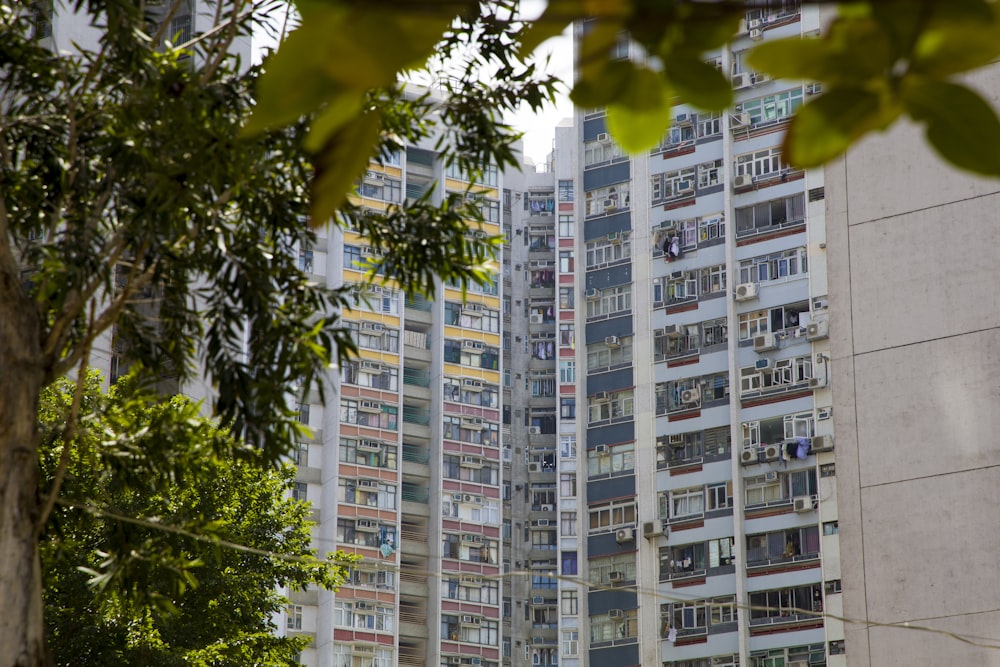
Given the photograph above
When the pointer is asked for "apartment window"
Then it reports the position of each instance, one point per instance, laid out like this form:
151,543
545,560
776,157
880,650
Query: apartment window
676,287
567,446
566,226
567,298
760,164
610,301
762,489
775,429
567,372
369,493
783,373
776,266
300,491
377,186
831,527
773,108
601,150
710,173
770,214
617,405
369,413
609,199
780,544
566,191
713,279
370,375
615,247
567,523
376,454
293,617
683,559
675,137
672,185
610,516
568,560
569,602
567,408
709,124
601,356
720,496
786,603
600,569
685,616
567,335
570,643
373,336
611,459
609,628
567,485
687,502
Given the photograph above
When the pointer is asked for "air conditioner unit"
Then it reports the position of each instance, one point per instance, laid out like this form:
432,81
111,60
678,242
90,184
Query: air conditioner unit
771,476
472,384
472,620
370,365
546,508
369,406
455,660
823,413
760,77
468,498
371,326
765,342
741,80
602,397
772,452
625,535
616,613
652,529
534,430
592,293
614,237
817,330
473,307
546,214
472,344
534,467
542,523
536,318
672,331
746,291
762,364
756,34
476,661
538,599
609,204
368,483
603,137
675,439
743,181
366,525
601,450
814,89
472,462
683,119
749,455
822,443
802,504
677,275
612,341
817,382
690,396
684,186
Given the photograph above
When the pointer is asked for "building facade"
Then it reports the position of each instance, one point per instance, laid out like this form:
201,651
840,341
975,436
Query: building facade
706,493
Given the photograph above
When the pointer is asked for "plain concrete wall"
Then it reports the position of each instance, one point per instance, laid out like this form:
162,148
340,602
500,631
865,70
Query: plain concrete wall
914,262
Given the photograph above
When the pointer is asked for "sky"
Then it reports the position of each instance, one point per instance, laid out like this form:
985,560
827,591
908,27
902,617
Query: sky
539,129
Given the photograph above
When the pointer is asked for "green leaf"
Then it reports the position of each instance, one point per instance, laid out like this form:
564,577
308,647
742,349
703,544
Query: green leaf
956,47
827,126
338,112
600,87
557,15
698,83
961,125
343,158
639,119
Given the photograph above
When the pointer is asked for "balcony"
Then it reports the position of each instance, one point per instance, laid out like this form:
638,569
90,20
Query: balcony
416,377
415,453
416,415
414,493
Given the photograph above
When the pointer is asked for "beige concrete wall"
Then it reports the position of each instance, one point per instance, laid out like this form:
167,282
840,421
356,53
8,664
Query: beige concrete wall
914,266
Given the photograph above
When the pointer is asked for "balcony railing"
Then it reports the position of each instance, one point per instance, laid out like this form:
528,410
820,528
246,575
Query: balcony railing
414,415
415,453
416,377
414,494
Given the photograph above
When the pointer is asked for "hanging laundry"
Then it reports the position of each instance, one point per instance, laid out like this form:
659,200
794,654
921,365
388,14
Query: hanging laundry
802,450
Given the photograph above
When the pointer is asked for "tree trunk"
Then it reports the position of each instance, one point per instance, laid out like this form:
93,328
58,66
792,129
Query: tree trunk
22,631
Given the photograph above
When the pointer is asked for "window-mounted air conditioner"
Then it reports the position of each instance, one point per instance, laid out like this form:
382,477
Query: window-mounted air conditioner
538,599
614,237
691,396
802,504
372,326
762,364
817,330
822,443
612,341
472,462
683,119
604,137
741,80
591,293
771,476
765,342
366,525
369,445
625,535
602,397
616,613
543,523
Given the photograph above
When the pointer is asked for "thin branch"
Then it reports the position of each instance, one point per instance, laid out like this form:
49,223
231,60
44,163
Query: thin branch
68,435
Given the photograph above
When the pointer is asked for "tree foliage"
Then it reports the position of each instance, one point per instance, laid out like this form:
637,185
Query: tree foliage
878,61
137,570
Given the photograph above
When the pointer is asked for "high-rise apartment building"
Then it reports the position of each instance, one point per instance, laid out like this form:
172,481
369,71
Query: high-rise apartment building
705,474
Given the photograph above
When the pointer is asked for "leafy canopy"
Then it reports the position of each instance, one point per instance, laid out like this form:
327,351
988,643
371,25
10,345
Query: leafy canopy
136,560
